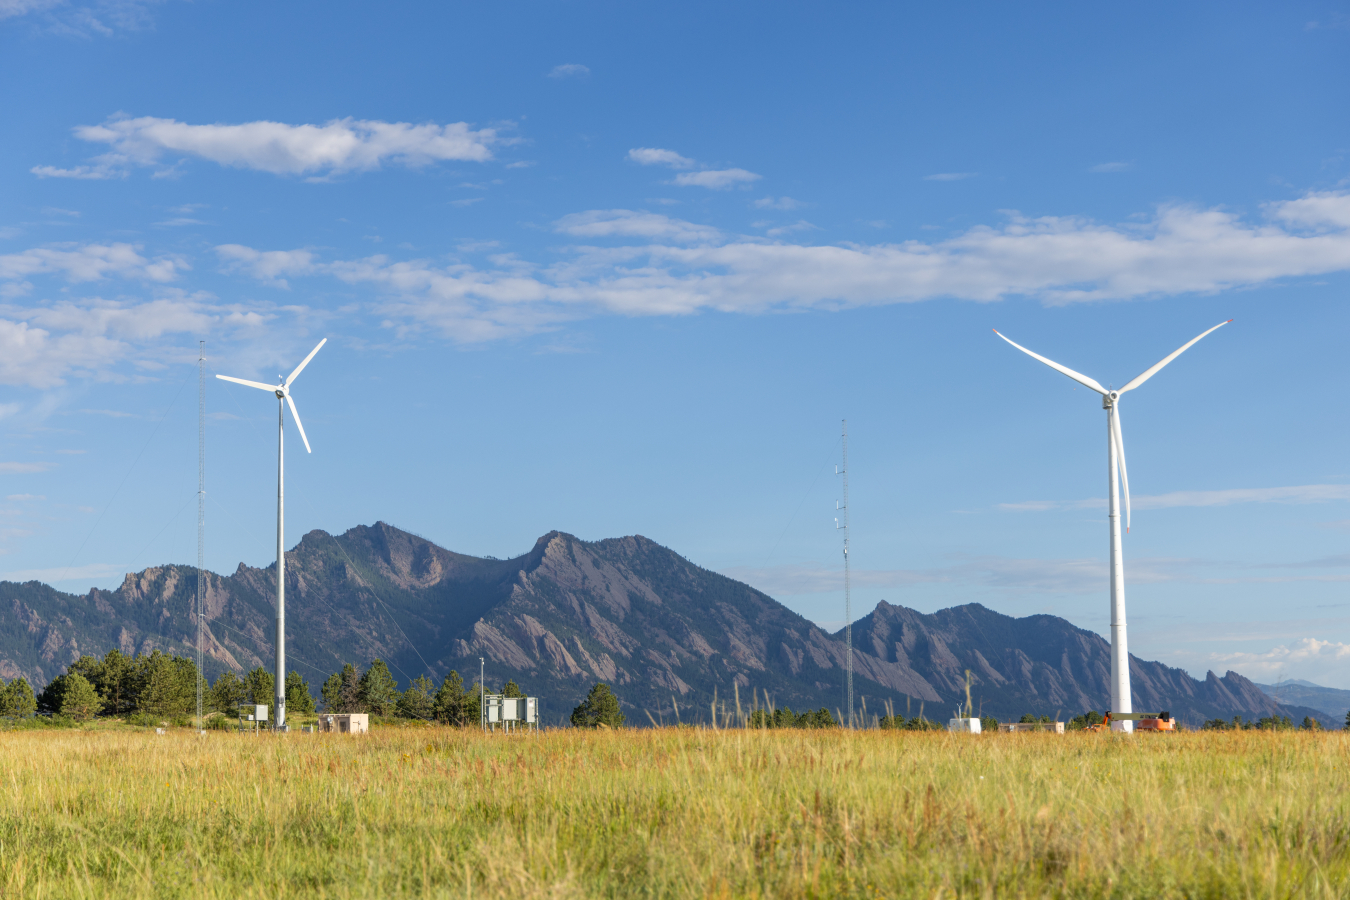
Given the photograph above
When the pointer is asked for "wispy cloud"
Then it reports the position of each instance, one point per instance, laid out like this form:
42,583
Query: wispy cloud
1108,167
628,223
569,70
1054,260
950,176
93,572
270,266
28,468
654,156
716,179
336,147
799,225
1306,493
713,179
776,203
89,262
1303,653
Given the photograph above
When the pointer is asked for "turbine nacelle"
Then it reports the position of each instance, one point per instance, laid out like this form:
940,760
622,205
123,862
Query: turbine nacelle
1111,400
283,389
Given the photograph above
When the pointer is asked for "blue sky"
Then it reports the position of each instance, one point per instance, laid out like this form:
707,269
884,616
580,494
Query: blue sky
617,268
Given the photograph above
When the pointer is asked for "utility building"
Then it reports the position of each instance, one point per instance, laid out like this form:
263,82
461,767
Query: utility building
345,723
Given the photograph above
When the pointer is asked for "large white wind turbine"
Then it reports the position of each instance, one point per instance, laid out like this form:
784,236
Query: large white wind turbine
283,391
1116,477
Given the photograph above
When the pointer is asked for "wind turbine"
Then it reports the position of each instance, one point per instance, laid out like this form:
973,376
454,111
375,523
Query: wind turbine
283,391
1116,477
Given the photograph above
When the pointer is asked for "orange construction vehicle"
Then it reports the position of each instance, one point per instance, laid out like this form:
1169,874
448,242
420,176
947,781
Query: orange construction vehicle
1162,721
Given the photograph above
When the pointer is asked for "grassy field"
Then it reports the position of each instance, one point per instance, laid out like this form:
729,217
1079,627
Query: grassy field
431,812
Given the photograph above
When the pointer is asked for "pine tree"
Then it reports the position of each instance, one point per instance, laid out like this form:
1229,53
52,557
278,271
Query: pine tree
17,700
448,704
341,692
378,689
117,683
298,698
260,688
227,693
512,690
170,685
79,700
417,702
600,707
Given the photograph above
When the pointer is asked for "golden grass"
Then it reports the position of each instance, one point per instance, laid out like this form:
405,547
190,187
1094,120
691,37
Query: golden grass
444,813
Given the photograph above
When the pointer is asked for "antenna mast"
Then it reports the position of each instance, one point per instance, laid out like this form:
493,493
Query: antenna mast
201,521
848,599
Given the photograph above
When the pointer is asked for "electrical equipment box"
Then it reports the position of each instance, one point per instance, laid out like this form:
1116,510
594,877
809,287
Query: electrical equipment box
965,726
531,711
260,712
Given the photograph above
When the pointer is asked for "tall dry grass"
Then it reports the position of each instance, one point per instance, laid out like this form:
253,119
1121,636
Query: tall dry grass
444,813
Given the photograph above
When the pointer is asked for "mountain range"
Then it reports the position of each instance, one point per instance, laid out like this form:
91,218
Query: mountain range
667,635
1334,703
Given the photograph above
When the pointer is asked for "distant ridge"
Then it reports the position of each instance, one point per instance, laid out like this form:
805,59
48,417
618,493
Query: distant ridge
628,611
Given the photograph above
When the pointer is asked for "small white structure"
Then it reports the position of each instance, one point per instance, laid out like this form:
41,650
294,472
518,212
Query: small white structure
344,723
254,714
964,726
510,712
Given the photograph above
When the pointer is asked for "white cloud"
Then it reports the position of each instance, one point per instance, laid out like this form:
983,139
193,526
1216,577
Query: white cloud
18,468
799,225
93,572
43,346
716,179
776,203
651,156
100,171
342,145
89,262
1054,260
1306,493
1305,653
1322,210
713,179
9,8
627,223
569,70
266,265
1107,167
950,176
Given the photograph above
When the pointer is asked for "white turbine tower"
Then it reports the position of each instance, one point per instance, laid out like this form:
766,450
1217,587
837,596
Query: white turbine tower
1116,477
283,391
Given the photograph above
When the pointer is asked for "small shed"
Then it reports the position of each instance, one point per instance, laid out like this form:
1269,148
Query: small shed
344,723
964,725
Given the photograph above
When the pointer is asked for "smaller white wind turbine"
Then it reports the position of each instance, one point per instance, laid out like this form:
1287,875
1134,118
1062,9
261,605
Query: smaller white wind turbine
283,391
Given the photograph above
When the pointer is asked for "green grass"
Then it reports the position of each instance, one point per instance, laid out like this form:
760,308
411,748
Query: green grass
432,812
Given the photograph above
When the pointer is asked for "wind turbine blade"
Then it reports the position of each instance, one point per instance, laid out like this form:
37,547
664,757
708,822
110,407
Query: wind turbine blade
300,368
1154,371
1120,455
1063,370
256,384
296,416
